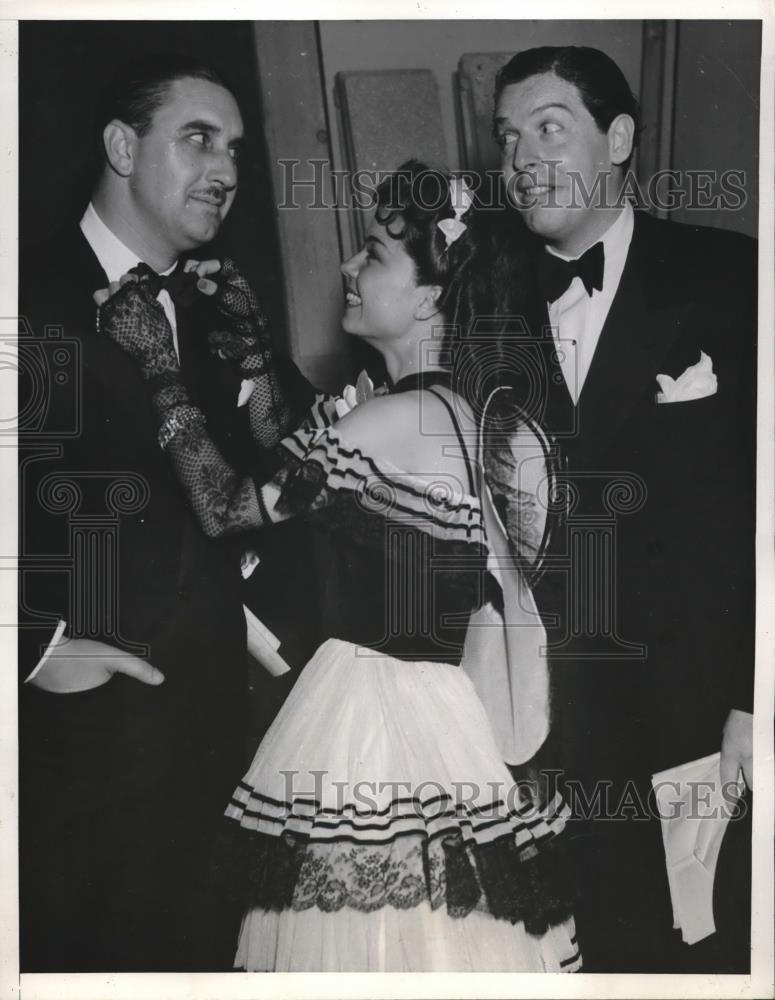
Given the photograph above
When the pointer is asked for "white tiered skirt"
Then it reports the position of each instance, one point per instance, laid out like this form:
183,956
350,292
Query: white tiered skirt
382,779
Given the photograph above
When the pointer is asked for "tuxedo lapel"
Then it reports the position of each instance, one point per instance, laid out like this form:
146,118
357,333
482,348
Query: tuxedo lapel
210,380
83,262
559,411
190,362
638,332
72,274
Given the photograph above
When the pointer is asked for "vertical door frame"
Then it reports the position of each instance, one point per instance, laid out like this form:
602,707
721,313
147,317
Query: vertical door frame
657,100
291,89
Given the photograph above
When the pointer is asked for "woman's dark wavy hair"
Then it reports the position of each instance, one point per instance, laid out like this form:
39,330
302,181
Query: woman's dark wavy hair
409,204
484,275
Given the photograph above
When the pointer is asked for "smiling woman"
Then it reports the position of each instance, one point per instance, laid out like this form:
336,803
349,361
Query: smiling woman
378,827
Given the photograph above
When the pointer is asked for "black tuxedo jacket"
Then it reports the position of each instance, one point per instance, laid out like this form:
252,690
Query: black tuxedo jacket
134,778
123,786
648,595
93,459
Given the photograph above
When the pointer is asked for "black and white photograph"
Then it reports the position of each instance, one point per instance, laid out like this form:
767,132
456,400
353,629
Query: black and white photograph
390,473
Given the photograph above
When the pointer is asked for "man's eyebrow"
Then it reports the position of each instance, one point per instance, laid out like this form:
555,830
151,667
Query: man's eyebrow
552,104
534,111
375,239
200,125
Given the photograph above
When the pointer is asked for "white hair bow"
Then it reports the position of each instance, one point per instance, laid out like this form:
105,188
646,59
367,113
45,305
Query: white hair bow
462,199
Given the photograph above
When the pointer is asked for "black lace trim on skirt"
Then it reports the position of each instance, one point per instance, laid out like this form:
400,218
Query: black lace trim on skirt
532,886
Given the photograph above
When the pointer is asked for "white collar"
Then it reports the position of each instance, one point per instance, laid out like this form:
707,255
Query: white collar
114,256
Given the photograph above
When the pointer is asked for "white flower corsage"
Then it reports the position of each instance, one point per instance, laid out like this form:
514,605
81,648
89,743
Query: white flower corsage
462,199
354,395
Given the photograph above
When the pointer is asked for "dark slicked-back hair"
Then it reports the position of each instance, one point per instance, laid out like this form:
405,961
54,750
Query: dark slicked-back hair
139,88
601,84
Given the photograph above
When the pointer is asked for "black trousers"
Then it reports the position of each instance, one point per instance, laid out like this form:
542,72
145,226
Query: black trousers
122,791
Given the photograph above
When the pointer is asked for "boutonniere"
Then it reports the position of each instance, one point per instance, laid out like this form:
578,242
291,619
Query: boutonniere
354,395
247,385
697,382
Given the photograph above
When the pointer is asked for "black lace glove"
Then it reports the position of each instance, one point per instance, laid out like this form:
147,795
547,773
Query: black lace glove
222,502
136,321
249,343
248,340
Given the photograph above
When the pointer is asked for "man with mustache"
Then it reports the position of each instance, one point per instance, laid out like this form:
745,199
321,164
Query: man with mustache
648,597
132,728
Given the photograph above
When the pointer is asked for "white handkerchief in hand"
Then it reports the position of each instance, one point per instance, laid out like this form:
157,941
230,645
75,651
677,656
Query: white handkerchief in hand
696,382
694,817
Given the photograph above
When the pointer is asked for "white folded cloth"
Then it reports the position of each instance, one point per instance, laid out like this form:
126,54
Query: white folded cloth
694,817
263,645
697,382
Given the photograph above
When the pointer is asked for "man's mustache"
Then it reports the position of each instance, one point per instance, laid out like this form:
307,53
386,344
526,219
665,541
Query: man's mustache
216,194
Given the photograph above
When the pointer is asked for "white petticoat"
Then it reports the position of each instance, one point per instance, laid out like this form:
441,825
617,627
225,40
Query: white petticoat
370,750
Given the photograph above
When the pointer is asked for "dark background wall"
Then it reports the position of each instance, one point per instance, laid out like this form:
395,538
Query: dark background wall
716,113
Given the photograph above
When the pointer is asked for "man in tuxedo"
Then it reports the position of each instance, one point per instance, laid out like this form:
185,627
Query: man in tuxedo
648,594
132,635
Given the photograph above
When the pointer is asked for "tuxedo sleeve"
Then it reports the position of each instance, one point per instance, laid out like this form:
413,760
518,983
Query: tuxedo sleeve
738,533
742,681
61,441
42,642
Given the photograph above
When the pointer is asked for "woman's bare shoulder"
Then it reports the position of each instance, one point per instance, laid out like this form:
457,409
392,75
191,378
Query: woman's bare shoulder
381,420
411,430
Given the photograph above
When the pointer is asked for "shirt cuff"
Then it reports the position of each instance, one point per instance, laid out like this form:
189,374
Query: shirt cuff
59,632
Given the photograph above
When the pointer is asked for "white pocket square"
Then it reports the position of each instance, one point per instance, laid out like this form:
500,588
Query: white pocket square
697,382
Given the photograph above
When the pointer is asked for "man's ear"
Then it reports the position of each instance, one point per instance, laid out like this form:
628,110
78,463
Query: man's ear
428,306
119,141
621,135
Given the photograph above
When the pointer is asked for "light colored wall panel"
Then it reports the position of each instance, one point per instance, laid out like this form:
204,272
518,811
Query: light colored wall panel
295,124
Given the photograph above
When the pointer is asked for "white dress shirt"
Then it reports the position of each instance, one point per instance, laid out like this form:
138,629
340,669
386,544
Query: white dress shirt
116,259
577,318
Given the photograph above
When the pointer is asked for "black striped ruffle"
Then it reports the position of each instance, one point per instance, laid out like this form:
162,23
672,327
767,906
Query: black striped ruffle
433,816
324,462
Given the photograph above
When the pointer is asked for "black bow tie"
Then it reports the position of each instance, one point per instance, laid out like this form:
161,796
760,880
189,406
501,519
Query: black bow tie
556,274
179,284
